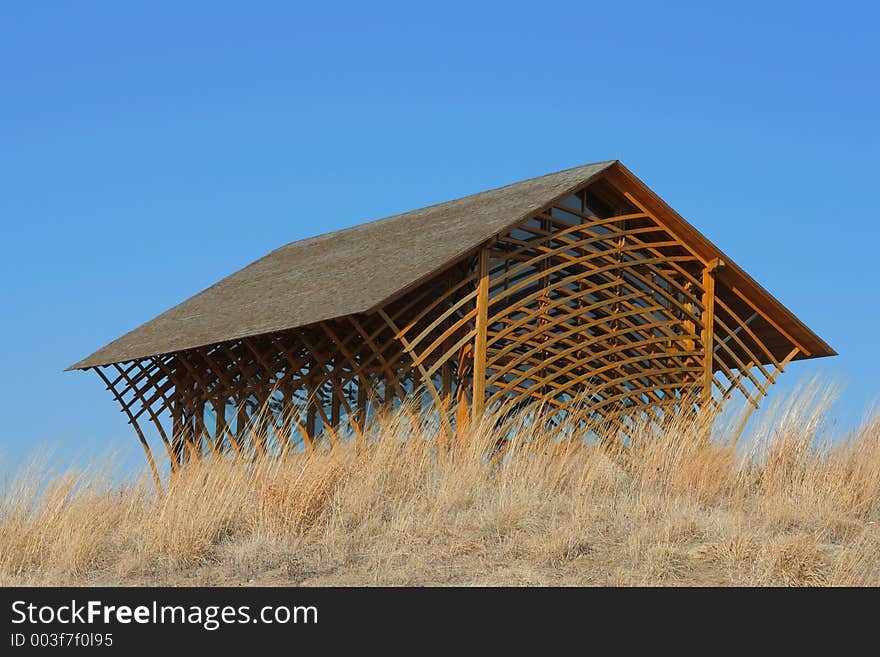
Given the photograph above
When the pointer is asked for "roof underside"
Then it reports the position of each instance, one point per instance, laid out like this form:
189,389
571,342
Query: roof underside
357,269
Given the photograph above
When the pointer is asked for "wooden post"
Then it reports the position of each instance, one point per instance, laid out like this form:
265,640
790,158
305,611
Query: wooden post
241,422
362,382
260,420
482,319
286,437
335,393
220,427
465,381
177,433
199,429
708,332
446,381
311,410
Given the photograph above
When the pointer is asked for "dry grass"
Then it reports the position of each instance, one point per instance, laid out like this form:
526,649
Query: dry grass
782,508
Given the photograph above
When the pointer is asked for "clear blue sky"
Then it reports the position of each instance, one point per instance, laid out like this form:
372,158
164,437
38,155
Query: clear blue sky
146,151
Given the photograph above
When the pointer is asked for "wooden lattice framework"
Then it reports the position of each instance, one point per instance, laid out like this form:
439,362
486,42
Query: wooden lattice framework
594,298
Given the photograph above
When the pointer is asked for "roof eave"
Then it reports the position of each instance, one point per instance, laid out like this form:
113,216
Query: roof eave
732,274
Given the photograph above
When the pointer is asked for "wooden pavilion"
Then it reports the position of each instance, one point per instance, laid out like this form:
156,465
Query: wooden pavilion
578,285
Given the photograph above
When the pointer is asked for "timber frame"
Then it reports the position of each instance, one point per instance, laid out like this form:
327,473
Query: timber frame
601,303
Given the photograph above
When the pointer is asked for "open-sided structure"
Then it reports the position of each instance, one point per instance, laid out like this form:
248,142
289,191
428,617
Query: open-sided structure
578,285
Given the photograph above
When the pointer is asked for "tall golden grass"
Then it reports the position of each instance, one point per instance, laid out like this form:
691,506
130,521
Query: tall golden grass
784,506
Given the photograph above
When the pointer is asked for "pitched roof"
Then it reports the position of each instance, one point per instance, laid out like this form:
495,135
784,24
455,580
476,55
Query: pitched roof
339,273
357,269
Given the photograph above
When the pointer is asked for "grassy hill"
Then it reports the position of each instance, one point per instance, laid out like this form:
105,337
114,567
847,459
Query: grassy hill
781,507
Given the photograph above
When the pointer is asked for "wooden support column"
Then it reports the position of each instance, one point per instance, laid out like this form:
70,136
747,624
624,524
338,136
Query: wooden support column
260,421
335,409
220,426
188,449
482,319
446,382
465,380
708,332
200,433
336,393
286,437
362,383
241,422
177,433
311,408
